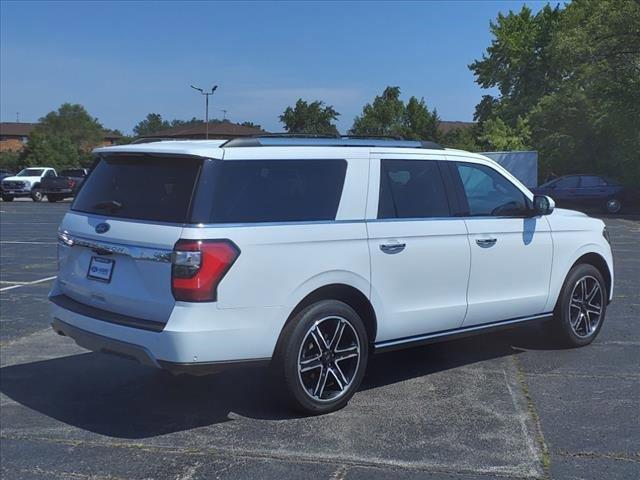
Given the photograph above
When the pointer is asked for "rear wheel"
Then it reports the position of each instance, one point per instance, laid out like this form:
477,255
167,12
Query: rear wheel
7,198
323,356
581,307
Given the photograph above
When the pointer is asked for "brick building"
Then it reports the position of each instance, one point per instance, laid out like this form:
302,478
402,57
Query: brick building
14,136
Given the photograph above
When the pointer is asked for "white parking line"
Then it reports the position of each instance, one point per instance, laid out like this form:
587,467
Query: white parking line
27,283
28,243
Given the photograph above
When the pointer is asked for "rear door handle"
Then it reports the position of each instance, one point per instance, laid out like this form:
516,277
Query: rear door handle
486,242
392,248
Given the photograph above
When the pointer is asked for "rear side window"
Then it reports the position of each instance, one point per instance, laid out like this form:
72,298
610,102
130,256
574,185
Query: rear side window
258,191
411,189
567,182
74,172
140,187
592,181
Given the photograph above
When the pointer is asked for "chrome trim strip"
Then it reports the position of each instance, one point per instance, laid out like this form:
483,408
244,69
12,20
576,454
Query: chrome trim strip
134,251
456,331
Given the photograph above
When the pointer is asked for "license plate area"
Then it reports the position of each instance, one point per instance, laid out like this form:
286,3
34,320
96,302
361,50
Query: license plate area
101,269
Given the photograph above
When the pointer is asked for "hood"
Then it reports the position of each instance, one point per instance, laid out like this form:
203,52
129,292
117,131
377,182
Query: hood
21,179
563,212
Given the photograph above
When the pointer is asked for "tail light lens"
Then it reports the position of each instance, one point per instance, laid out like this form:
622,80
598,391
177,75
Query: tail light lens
198,266
71,183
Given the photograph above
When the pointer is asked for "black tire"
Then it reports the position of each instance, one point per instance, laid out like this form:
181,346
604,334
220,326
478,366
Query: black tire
575,322
613,205
7,198
52,198
299,350
36,194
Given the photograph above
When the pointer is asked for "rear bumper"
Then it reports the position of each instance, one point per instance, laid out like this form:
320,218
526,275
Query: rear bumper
198,338
140,354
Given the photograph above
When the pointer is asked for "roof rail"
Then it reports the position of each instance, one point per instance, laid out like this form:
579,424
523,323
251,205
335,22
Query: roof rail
295,140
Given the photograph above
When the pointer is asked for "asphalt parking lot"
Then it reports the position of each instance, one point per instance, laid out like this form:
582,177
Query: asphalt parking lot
507,405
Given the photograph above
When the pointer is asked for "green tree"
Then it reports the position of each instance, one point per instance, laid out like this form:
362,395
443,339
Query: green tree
63,138
387,115
152,123
496,135
311,118
462,138
518,62
11,161
45,149
571,77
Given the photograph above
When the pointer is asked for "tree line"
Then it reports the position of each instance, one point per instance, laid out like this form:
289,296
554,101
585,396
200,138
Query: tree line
568,83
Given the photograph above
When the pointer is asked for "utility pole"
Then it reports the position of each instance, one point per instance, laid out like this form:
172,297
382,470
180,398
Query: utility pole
224,114
17,117
206,114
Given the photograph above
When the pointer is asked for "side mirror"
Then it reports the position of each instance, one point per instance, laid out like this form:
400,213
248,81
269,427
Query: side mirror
543,205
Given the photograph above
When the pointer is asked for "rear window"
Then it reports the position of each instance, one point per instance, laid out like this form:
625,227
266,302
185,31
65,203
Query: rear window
257,191
141,187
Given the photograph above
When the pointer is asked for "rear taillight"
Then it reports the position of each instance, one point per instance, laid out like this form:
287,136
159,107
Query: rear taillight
198,266
71,183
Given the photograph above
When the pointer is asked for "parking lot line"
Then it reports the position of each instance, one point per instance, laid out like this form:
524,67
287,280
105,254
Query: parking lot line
27,283
28,243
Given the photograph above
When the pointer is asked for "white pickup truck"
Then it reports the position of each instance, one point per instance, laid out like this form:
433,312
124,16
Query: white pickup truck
26,184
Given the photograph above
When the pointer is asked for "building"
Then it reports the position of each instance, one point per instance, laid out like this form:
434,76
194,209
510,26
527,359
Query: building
217,130
14,136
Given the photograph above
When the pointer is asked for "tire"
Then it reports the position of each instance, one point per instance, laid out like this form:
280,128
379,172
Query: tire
7,198
53,198
322,371
577,319
613,205
36,194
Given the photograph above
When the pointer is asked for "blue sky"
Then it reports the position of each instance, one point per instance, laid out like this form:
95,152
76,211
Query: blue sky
123,60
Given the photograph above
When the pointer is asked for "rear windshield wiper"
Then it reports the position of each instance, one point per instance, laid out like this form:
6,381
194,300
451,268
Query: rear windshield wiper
110,205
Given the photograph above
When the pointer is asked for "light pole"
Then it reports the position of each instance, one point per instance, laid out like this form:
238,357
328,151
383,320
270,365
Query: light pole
206,94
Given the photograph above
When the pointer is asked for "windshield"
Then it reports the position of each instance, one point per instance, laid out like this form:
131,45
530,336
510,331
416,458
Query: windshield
31,172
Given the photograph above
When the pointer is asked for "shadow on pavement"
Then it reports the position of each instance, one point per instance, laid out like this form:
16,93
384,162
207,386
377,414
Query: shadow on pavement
118,398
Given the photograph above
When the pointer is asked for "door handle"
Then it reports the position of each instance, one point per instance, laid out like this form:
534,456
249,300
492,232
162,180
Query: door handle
392,248
486,242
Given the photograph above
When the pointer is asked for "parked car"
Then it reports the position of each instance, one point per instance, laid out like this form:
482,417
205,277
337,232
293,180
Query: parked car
26,183
4,174
64,185
312,254
585,191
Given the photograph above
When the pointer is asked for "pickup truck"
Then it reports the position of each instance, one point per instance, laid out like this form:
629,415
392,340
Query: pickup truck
26,183
64,185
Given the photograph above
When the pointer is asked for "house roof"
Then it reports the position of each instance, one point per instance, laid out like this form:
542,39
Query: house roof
18,129
198,130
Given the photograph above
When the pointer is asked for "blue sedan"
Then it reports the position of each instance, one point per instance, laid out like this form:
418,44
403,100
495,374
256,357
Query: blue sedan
585,191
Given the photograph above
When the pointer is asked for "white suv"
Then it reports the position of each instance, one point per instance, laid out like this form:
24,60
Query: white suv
312,253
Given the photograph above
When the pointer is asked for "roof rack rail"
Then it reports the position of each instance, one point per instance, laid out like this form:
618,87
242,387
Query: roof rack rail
297,140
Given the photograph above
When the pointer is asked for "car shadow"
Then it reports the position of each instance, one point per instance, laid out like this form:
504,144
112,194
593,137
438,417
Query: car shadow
118,398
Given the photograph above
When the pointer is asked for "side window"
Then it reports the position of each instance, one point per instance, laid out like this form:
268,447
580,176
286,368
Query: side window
49,174
255,191
488,193
567,182
411,189
592,181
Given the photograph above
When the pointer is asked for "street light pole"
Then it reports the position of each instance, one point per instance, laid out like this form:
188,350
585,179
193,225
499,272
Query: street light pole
206,110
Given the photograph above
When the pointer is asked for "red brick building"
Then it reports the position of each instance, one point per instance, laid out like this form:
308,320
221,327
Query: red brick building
14,136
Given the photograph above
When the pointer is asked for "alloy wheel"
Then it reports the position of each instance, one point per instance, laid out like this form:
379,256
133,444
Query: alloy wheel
329,358
585,306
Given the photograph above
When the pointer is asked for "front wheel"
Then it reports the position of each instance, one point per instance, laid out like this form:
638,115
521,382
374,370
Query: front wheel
582,306
52,198
323,356
36,195
613,205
